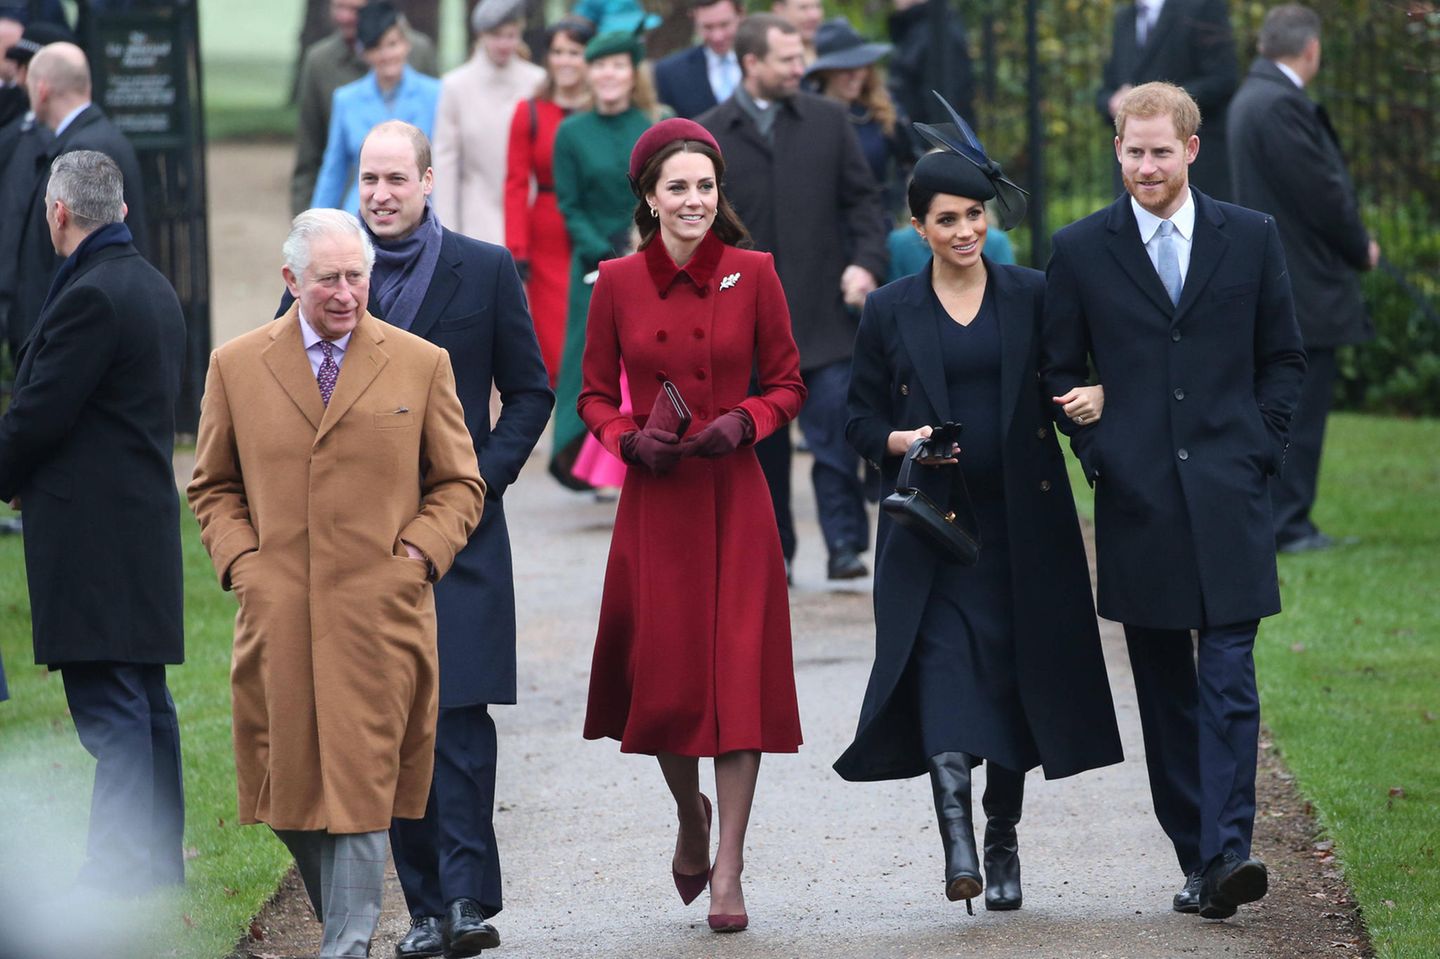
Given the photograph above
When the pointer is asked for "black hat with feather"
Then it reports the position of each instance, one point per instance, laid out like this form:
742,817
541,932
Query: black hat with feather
960,166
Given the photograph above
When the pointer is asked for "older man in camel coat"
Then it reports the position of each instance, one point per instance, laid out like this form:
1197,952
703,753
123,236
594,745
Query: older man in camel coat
334,483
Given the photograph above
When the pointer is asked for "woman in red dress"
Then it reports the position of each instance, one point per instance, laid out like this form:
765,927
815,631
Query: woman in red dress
534,229
693,655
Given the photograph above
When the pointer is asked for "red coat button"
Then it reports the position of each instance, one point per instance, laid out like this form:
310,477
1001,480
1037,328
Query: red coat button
699,333
660,336
661,376
699,374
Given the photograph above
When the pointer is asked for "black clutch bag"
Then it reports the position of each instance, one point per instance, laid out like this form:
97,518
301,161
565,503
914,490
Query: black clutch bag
939,527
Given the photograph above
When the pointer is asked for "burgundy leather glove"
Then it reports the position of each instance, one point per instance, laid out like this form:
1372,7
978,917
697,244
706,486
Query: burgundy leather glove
656,450
722,437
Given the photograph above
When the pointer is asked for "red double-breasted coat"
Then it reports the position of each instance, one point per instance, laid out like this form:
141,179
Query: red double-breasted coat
693,651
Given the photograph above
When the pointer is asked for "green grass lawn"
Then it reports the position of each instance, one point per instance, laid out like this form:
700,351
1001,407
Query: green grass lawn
45,775
1350,673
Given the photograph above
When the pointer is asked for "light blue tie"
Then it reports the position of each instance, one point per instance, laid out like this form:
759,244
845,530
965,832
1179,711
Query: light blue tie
1169,261
729,77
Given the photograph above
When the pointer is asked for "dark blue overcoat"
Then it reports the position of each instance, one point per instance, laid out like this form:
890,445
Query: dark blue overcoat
1198,397
476,310
898,383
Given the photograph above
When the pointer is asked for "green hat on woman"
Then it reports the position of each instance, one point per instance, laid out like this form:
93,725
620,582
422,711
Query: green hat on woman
616,41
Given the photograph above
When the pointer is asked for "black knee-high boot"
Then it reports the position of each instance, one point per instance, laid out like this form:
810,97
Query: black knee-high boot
1004,794
950,780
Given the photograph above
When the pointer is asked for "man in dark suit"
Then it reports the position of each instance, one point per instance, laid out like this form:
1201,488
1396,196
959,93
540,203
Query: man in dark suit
696,79
465,296
1183,305
796,176
1285,160
85,451
1185,42
58,82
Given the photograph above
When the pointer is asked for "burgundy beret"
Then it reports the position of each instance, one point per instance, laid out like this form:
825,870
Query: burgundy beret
666,131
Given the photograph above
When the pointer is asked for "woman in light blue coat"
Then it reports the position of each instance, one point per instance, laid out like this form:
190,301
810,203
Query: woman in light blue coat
392,90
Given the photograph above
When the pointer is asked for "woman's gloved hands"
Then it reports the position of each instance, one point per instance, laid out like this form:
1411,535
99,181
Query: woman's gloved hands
656,450
722,437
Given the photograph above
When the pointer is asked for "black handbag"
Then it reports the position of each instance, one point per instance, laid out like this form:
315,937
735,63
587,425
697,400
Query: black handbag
939,527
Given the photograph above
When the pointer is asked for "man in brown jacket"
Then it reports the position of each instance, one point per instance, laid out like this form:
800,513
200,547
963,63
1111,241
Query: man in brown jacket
334,482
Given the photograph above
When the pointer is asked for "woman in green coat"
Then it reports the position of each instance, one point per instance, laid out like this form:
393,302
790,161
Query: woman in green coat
592,155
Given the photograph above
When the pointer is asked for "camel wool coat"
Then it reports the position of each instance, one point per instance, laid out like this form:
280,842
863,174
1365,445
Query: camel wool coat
303,509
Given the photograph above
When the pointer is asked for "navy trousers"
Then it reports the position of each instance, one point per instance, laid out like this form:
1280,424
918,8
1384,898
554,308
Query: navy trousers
126,719
835,473
1292,493
1200,716
451,854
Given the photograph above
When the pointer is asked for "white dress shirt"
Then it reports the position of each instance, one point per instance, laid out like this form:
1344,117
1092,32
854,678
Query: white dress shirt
723,72
1294,77
312,346
1184,220
1147,14
70,118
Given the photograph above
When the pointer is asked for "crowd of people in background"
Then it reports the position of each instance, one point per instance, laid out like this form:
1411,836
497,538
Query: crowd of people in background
566,232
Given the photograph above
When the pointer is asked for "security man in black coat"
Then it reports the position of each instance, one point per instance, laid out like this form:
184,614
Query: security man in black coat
1285,160
58,82
85,451
1183,305
796,176
465,296
1188,43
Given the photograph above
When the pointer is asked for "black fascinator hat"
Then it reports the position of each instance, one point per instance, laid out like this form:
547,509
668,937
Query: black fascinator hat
963,168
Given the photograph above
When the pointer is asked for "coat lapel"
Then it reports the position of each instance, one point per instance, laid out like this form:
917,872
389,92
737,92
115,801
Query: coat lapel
916,322
285,356
1127,249
443,284
1015,310
363,362
1207,249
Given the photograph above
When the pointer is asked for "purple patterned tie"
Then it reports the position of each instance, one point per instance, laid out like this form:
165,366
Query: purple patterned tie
329,371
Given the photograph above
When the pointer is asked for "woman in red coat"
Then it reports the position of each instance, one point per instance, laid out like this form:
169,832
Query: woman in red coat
534,229
693,657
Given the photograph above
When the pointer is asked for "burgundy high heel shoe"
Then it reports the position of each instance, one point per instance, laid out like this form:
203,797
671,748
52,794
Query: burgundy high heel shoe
691,885
720,922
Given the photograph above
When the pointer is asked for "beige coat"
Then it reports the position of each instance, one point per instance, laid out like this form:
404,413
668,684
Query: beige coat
472,132
303,509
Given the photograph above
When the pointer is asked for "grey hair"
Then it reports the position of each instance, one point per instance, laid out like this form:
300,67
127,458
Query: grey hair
322,222
1287,30
90,185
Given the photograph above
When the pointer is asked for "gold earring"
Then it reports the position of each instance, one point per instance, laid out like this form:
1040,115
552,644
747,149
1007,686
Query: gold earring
654,213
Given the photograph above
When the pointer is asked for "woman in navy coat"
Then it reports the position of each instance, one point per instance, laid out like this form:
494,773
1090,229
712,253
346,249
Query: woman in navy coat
999,661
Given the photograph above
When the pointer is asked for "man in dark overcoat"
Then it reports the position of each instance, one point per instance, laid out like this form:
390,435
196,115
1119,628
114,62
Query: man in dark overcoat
1285,160
1186,42
1184,307
795,174
58,82
464,295
85,450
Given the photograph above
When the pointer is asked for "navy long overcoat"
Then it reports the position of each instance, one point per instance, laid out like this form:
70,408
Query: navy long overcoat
898,383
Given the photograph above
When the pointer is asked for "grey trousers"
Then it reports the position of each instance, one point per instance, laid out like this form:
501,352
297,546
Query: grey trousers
344,876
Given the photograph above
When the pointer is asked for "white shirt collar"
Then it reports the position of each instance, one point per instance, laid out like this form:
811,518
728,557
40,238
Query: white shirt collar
310,337
70,118
1183,218
713,59
1294,77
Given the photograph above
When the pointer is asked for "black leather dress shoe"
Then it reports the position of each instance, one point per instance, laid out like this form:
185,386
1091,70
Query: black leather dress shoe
1231,882
422,941
1188,898
466,931
845,564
